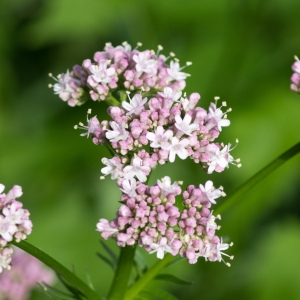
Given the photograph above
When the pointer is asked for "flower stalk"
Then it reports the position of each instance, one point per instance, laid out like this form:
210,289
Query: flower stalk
119,284
147,277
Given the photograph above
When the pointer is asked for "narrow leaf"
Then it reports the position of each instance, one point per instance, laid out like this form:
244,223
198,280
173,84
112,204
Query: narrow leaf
140,262
111,253
54,293
107,261
257,178
172,278
75,292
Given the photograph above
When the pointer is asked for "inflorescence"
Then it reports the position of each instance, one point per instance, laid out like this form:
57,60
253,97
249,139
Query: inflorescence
295,79
27,270
152,122
15,224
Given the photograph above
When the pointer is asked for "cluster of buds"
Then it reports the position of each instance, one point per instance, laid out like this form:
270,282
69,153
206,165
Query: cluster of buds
151,219
295,79
15,224
18,283
152,122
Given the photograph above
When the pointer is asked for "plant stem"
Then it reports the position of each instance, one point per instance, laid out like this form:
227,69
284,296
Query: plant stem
119,285
67,275
255,179
147,277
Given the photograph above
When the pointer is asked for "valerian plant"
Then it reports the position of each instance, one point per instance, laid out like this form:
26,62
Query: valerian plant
150,121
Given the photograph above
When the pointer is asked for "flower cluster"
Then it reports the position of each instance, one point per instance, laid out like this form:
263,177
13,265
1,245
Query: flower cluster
152,122
17,283
15,224
151,219
295,79
116,70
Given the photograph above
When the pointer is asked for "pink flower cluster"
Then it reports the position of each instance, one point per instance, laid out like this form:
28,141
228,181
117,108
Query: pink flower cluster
152,122
14,223
145,133
116,70
17,283
295,79
151,219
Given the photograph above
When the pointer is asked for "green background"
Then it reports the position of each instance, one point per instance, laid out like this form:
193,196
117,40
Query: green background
241,51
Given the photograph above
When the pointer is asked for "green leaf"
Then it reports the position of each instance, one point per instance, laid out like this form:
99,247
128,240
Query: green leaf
75,292
139,263
258,177
54,293
107,261
113,260
111,253
66,276
172,278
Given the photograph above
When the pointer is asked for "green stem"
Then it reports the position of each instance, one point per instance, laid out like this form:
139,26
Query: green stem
255,179
147,277
67,275
112,101
119,285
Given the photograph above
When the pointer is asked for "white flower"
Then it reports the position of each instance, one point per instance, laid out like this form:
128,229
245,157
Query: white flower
92,126
218,251
220,159
184,124
166,186
14,192
215,117
170,94
211,224
144,64
161,248
178,147
101,73
135,169
62,87
210,192
14,214
112,167
118,132
174,71
136,105
106,228
5,258
7,229
2,187
160,139
129,187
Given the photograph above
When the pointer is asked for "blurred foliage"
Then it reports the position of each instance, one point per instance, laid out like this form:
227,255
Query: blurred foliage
241,51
